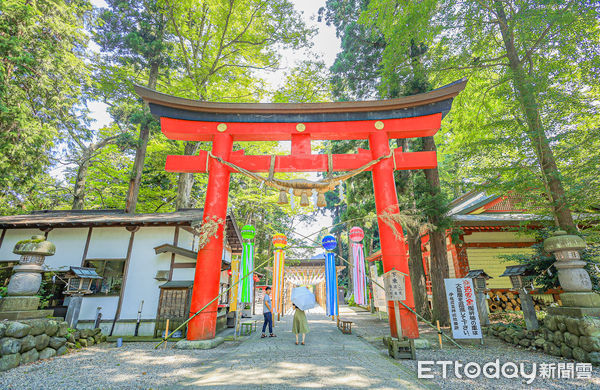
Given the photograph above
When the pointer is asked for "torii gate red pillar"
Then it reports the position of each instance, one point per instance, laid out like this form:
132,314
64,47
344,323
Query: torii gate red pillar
208,264
393,250
225,123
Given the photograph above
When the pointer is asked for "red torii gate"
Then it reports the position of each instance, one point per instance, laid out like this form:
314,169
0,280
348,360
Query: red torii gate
225,123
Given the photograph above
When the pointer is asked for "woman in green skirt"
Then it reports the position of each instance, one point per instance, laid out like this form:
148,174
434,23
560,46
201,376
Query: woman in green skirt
300,324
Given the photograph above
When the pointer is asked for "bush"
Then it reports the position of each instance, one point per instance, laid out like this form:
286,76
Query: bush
351,300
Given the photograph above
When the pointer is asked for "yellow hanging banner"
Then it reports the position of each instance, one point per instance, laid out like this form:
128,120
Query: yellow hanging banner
233,293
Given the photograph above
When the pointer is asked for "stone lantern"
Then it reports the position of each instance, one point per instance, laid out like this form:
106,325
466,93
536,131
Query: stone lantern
21,301
516,273
578,299
79,281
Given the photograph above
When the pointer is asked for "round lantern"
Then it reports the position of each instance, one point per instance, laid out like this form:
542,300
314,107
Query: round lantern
279,240
256,278
357,234
329,243
248,232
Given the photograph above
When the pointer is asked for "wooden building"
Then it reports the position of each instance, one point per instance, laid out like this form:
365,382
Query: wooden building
140,257
491,227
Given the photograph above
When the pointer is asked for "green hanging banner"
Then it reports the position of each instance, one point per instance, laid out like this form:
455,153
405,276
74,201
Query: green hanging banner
247,265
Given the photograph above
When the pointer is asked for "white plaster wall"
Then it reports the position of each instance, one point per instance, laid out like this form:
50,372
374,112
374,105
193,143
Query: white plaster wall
108,243
143,265
185,240
183,273
183,259
70,244
90,303
13,236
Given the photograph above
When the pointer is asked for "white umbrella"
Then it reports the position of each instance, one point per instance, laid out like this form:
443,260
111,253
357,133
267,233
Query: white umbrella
303,298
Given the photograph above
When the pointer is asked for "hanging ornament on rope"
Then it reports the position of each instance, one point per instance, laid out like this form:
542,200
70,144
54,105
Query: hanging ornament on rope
341,192
283,199
247,265
322,186
304,199
329,243
279,242
359,280
321,201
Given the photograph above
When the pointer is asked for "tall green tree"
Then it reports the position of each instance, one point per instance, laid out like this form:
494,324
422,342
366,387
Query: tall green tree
532,62
133,39
355,72
218,48
359,73
42,76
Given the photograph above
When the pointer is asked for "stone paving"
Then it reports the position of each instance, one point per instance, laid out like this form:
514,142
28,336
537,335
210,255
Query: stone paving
329,359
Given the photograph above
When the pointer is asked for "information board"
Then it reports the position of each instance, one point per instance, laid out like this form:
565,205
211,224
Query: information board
464,317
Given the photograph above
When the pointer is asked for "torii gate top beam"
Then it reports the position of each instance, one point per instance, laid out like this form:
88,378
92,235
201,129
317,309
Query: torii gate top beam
407,117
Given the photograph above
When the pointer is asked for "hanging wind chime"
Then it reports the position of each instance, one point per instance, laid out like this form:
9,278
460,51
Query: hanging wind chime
247,265
279,242
329,243
359,278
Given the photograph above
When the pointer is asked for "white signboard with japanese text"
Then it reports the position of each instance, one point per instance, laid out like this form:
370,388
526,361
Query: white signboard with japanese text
378,292
462,306
395,289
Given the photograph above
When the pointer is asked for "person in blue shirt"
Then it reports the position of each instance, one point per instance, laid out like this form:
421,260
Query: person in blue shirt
267,313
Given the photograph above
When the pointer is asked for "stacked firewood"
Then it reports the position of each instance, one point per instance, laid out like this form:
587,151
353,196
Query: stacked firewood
509,301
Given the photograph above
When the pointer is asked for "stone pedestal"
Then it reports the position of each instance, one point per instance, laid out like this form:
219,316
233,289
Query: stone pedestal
22,308
199,344
21,302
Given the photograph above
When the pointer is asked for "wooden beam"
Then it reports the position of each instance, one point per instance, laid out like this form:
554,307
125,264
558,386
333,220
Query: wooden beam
193,130
175,240
123,284
184,265
2,236
87,246
305,162
168,248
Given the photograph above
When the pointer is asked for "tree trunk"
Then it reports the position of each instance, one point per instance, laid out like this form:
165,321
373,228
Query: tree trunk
415,255
417,274
525,92
79,189
437,241
140,152
186,180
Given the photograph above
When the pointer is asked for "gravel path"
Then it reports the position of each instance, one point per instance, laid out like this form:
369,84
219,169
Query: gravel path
133,366
329,360
372,329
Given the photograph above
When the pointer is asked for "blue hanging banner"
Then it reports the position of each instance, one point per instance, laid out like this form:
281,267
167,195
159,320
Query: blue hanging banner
329,243
331,284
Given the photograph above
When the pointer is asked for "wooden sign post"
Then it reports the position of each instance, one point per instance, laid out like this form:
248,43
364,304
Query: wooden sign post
395,291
